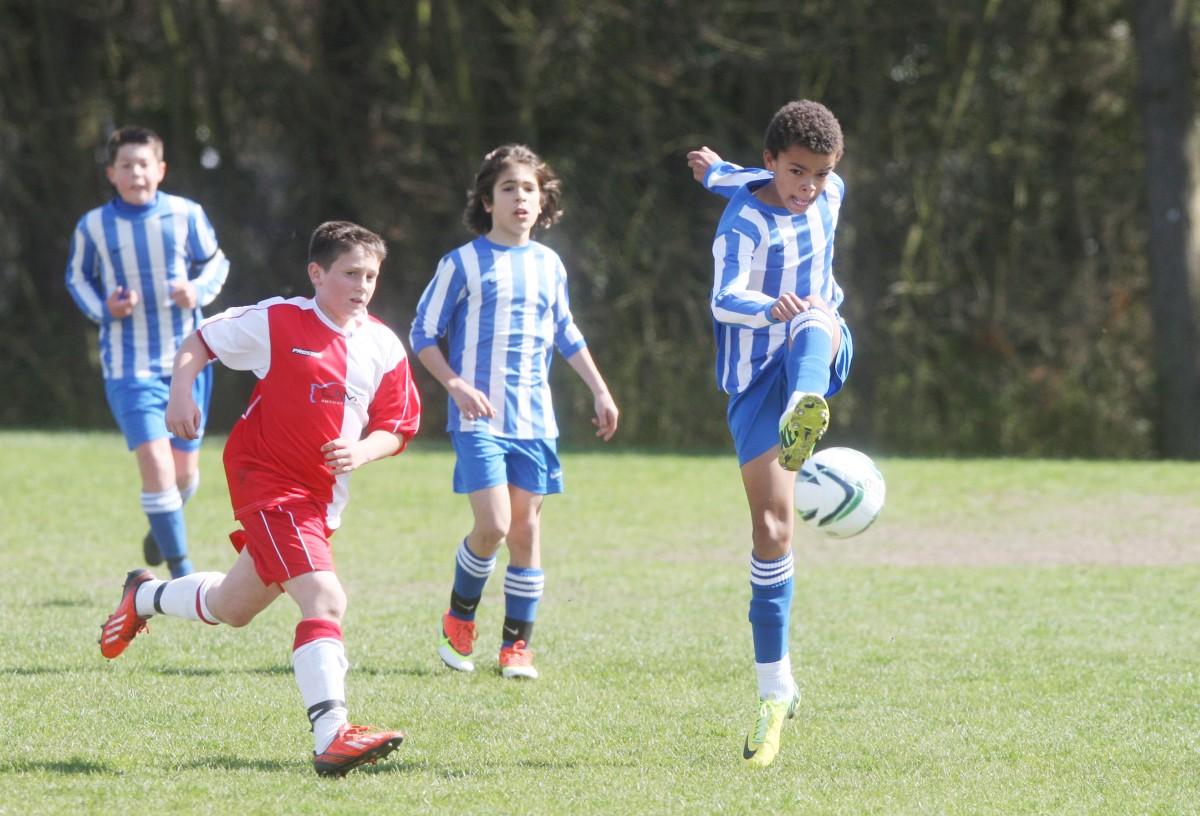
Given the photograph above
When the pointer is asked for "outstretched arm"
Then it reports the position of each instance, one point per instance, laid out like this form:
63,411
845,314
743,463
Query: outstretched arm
606,409
700,160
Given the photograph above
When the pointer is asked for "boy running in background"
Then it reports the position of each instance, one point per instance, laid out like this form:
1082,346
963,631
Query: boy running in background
141,266
502,301
782,348
328,374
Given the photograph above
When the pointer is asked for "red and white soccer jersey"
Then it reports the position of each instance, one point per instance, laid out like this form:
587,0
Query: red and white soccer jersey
317,382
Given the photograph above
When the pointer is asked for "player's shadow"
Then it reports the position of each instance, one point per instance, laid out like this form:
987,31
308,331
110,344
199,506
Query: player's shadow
229,763
370,671
75,766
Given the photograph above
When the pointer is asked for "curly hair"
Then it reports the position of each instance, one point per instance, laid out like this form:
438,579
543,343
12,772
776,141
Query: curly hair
806,123
332,238
478,219
132,135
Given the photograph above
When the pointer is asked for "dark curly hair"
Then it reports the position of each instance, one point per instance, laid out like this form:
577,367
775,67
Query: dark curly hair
333,238
478,219
806,123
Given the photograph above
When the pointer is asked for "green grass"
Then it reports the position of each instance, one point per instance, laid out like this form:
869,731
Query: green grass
1011,637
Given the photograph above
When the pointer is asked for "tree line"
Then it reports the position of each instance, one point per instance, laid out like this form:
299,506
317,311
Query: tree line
1017,243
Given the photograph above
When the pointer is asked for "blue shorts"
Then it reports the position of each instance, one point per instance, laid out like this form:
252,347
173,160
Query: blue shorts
486,461
140,406
753,415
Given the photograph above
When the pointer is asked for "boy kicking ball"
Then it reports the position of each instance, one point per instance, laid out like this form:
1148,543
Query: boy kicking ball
334,393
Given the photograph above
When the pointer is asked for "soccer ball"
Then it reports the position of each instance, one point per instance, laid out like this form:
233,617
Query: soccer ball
839,492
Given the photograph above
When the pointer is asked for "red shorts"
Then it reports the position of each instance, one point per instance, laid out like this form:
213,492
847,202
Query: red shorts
285,540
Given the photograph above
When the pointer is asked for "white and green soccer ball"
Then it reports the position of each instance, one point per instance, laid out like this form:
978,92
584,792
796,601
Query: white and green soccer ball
839,492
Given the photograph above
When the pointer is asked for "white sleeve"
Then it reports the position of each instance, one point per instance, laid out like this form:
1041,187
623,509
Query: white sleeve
241,337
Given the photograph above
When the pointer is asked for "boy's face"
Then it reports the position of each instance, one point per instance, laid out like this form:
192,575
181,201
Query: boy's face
136,173
800,175
515,205
345,288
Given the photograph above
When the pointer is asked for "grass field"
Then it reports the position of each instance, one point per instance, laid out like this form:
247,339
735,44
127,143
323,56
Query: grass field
1011,637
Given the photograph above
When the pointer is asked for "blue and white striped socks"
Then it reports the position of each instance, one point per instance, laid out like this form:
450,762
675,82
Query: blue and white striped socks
770,613
470,575
164,510
523,587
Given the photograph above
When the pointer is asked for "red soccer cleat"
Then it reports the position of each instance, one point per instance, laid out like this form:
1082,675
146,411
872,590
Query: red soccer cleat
355,745
516,661
458,641
124,624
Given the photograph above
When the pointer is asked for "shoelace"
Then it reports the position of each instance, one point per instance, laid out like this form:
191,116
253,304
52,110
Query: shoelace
764,719
519,652
462,637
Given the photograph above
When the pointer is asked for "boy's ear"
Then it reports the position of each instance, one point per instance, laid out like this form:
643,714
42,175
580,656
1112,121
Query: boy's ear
768,160
314,272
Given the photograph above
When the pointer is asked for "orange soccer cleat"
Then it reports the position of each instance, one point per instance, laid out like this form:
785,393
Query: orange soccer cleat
355,745
458,641
517,661
124,624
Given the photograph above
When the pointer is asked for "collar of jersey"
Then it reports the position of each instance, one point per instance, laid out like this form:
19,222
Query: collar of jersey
357,324
135,211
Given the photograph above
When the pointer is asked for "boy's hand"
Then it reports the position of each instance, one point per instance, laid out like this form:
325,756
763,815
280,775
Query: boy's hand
788,306
700,160
183,416
122,302
184,294
472,403
606,416
342,456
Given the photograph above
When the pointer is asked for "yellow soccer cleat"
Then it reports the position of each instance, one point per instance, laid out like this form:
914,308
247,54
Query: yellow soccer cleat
800,428
762,743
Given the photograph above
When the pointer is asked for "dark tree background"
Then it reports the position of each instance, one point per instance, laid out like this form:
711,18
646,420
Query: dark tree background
1015,278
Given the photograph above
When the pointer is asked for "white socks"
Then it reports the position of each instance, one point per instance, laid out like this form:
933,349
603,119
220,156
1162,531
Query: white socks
320,667
184,597
775,679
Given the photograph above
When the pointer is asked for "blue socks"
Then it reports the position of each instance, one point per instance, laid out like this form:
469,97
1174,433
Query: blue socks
165,513
523,588
770,607
809,353
470,574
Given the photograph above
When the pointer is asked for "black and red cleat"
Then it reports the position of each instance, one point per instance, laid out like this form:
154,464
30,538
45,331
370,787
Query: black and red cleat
355,745
125,623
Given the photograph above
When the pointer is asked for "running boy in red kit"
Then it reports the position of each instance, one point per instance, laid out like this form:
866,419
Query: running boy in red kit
334,393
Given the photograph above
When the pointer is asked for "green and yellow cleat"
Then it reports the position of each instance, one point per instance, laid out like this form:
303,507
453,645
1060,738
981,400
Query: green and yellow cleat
800,429
762,743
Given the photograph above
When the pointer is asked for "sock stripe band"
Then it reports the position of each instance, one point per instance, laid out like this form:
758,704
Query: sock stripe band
771,573
472,564
158,597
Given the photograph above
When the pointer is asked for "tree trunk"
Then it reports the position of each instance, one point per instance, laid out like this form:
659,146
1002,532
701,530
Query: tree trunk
1165,87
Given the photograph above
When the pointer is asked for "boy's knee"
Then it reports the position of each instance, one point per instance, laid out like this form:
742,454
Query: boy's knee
772,536
490,537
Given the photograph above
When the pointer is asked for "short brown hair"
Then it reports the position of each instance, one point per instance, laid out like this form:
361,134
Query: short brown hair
333,238
806,123
476,216
133,135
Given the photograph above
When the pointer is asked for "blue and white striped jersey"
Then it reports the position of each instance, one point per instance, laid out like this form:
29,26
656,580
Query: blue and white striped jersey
144,248
760,252
502,310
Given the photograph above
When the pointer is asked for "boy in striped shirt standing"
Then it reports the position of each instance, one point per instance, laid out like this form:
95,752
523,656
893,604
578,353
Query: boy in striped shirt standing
501,301
141,267
782,349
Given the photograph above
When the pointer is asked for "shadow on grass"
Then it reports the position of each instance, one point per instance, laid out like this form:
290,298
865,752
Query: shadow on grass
228,763
75,767
65,602
369,671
